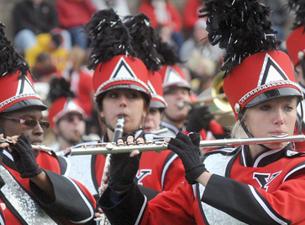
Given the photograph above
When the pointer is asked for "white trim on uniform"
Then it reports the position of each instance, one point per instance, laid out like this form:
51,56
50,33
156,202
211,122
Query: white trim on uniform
141,211
265,207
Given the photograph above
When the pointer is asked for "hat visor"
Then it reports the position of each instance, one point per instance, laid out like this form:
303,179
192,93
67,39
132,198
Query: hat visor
273,94
26,104
156,105
74,111
125,86
167,88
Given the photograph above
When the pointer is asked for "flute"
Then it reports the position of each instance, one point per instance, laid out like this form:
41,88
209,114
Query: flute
111,148
117,133
34,147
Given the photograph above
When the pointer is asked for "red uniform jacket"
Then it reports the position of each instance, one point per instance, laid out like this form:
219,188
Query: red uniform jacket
267,190
72,202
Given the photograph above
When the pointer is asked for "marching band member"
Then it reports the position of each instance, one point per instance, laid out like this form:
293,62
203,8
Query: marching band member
66,116
249,184
179,114
120,86
156,106
33,190
176,89
295,47
158,171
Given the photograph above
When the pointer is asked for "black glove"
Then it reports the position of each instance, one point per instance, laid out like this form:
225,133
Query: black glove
187,148
24,158
199,118
123,170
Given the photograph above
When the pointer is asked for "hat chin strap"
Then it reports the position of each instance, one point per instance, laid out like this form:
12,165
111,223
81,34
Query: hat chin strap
106,124
243,125
302,63
300,121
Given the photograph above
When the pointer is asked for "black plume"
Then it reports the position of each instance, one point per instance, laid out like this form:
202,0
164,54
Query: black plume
168,53
242,27
10,60
299,7
144,41
59,87
108,36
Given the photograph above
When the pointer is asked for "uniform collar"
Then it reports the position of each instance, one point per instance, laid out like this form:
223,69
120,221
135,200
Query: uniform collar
266,157
170,127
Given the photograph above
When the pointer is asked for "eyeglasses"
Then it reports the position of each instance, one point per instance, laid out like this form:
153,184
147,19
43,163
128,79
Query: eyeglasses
29,122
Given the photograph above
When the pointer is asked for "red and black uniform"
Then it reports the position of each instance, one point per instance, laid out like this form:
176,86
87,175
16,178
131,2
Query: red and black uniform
159,171
301,145
72,203
267,190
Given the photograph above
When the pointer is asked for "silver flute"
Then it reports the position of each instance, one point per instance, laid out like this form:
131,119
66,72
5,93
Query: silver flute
34,147
160,145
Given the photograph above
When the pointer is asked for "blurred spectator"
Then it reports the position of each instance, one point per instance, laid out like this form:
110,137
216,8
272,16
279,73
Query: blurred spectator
164,15
43,71
119,6
72,15
44,68
80,79
202,72
198,43
30,18
49,43
279,16
190,13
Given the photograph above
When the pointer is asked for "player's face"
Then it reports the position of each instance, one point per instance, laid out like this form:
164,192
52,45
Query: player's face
29,122
152,120
124,102
273,118
71,127
173,97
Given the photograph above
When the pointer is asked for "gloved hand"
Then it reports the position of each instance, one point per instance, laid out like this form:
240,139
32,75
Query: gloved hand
123,169
187,148
199,118
24,158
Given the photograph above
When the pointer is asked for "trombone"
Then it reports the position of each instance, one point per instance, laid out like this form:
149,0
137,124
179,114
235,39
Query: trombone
112,148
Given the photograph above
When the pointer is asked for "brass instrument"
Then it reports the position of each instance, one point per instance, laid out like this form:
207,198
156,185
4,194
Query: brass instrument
111,148
218,97
202,101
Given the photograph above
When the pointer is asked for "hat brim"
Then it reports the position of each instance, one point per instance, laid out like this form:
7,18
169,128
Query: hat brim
125,86
156,105
176,85
273,94
27,104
